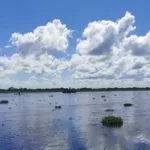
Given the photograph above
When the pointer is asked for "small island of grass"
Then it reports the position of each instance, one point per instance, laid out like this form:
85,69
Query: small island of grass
103,96
128,105
112,121
3,102
109,110
57,107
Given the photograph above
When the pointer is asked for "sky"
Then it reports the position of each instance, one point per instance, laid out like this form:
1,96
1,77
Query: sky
63,43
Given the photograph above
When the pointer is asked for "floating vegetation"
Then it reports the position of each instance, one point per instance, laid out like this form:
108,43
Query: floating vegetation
112,121
109,110
103,96
51,96
70,118
4,102
128,105
57,107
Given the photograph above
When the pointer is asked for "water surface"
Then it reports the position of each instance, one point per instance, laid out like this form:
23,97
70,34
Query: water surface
31,122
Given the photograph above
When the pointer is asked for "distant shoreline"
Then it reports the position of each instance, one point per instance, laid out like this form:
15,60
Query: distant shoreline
25,90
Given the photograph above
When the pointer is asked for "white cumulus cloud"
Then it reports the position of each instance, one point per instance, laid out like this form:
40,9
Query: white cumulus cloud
108,54
54,36
99,37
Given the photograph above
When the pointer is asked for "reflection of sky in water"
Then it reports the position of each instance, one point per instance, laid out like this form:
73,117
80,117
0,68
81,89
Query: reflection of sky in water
32,124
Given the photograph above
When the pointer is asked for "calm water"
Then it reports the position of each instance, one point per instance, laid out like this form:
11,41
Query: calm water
30,122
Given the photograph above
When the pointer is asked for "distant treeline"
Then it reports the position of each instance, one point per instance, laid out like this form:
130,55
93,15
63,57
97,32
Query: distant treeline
26,90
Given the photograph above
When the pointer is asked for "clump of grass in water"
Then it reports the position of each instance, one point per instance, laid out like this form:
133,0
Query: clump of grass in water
4,102
128,105
109,110
112,121
103,96
57,107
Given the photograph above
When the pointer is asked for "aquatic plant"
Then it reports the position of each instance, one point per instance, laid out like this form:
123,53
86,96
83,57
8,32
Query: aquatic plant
112,121
51,96
70,118
3,102
103,96
109,110
57,107
128,105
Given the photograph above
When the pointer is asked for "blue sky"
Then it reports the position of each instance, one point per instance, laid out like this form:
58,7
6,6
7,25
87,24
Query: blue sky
23,17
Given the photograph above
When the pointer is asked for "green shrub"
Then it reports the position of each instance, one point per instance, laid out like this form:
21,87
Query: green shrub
112,121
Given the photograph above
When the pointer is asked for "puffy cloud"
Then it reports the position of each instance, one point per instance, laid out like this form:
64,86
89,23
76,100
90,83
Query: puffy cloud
52,37
108,55
138,45
112,52
99,37
29,64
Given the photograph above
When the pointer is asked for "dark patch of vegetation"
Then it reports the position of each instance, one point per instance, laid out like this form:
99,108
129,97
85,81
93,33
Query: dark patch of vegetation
70,118
19,91
57,107
112,121
103,96
3,102
109,110
51,96
128,105
69,91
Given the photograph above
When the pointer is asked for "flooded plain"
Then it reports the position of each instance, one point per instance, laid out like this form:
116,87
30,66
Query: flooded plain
31,121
